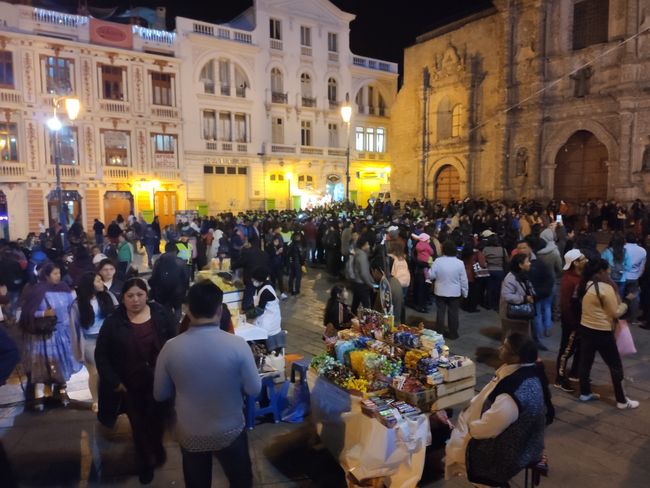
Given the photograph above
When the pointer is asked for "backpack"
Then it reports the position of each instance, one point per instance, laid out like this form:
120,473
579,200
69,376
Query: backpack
617,271
400,270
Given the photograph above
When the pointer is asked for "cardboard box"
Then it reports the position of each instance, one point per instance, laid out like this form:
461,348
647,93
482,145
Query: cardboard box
453,400
449,388
422,399
467,370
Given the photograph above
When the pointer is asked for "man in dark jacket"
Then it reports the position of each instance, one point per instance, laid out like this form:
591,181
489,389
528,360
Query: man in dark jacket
252,257
170,280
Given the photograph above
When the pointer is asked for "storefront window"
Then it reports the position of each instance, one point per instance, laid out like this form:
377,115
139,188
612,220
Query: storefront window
116,148
68,149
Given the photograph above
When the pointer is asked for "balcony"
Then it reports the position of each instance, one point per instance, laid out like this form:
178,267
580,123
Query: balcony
67,171
212,145
121,174
164,112
281,148
10,170
314,151
114,106
279,97
220,32
154,35
333,57
167,174
226,146
240,92
225,90
339,153
308,102
9,96
242,147
334,105
59,19
305,51
375,64
276,44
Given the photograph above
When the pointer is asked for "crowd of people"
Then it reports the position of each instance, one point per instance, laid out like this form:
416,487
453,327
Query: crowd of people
535,265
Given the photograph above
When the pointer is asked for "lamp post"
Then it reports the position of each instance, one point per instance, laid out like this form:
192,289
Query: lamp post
288,176
72,107
346,115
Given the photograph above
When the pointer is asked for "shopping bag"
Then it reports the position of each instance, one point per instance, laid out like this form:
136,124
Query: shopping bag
624,340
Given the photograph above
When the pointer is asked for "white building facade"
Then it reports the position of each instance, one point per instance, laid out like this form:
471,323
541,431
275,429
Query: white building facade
261,111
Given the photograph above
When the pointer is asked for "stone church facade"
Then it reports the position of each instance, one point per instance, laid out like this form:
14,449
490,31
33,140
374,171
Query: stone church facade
530,98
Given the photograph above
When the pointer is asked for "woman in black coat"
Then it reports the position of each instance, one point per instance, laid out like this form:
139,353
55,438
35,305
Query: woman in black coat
126,353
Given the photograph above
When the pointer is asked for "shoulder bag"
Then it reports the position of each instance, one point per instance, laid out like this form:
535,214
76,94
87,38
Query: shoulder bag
41,326
521,311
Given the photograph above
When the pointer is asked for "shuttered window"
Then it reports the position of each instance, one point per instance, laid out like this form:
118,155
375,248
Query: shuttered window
590,23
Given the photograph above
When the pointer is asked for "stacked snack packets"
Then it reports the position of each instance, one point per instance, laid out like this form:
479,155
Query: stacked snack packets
389,412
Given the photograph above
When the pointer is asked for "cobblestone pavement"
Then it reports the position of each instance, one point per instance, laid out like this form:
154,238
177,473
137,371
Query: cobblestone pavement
590,445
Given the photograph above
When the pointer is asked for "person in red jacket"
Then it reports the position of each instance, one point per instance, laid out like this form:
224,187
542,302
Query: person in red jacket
574,262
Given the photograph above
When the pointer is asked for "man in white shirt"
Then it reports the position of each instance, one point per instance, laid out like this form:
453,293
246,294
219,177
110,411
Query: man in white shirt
451,283
637,257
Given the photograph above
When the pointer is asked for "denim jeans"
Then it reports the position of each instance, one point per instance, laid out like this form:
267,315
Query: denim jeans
295,277
543,316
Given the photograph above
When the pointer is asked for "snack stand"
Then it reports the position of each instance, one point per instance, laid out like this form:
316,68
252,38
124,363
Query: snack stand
373,390
233,290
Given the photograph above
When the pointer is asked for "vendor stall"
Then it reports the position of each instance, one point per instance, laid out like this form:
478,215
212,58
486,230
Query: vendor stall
372,392
233,290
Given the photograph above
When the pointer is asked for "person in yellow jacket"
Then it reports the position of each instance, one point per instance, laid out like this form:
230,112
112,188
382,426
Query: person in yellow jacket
184,248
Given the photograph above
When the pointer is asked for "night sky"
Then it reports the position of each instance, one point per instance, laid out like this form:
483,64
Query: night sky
382,29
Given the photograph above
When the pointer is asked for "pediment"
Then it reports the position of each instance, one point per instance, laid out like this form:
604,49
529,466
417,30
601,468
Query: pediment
320,10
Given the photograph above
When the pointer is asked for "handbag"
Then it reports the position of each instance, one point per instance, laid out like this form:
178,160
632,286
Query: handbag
480,272
624,340
520,311
41,326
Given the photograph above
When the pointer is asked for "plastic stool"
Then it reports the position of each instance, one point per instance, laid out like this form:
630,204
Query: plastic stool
300,367
253,410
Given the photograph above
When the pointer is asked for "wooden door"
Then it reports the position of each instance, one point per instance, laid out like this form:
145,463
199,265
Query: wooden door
580,169
165,207
228,191
115,203
447,185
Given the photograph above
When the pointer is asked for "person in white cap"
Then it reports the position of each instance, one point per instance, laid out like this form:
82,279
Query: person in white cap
574,263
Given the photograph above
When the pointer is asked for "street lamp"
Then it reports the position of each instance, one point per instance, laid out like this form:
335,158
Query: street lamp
288,176
72,107
346,115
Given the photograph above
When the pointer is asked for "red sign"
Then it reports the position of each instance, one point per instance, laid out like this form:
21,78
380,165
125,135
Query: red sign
111,34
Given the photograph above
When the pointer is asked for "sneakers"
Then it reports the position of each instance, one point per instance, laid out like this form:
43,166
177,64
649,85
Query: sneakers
574,379
564,386
590,398
630,404
283,296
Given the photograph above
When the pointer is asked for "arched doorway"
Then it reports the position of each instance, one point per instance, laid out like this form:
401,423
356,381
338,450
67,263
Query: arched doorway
580,169
447,184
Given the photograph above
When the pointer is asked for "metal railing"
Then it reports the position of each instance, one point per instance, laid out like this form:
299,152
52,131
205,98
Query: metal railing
308,102
276,44
279,97
58,18
281,148
222,33
376,64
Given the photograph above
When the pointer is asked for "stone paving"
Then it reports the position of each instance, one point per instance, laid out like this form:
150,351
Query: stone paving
590,445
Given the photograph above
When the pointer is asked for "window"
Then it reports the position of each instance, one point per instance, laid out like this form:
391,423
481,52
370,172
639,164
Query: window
590,23
68,148
305,181
456,120
443,120
333,132
371,100
209,125
275,29
381,140
207,77
305,133
359,139
332,42
277,130
6,69
370,139
8,142
231,171
305,85
161,84
164,143
305,36
116,148
224,76
332,94
208,170
240,128
225,127
58,75
277,84
112,82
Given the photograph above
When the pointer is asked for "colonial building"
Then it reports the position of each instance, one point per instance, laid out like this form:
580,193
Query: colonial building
261,108
544,99
121,154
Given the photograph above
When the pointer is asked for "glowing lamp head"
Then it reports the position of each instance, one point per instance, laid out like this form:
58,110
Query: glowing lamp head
346,113
54,124
72,107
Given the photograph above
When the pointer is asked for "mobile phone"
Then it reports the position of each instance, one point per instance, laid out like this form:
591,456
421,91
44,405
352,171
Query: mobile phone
558,219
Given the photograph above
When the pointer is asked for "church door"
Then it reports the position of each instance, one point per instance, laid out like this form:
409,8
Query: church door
447,185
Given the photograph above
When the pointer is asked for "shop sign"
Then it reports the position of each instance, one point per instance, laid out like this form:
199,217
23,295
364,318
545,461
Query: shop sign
202,208
111,34
165,160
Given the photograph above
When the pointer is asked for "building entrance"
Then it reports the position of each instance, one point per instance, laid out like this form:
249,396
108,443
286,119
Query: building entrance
447,185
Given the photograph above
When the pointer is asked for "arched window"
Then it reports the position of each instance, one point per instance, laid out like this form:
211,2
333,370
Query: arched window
207,77
456,120
443,120
332,94
305,85
241,82
277,84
